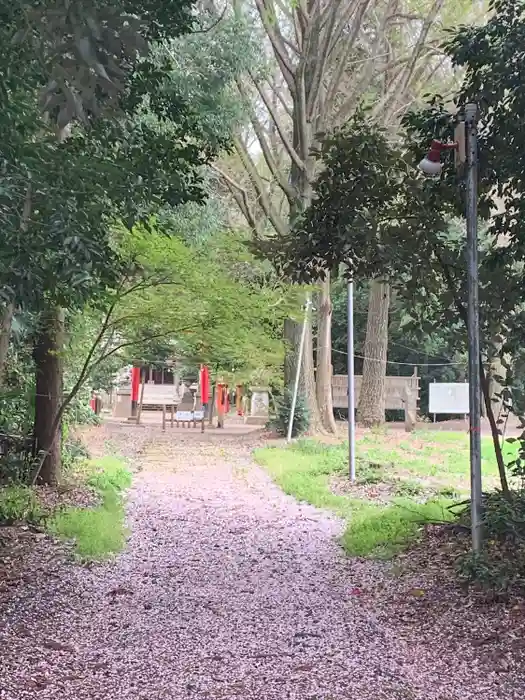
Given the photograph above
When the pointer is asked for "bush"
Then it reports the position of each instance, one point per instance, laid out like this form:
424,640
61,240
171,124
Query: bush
73,451
281,420
501,566
18,503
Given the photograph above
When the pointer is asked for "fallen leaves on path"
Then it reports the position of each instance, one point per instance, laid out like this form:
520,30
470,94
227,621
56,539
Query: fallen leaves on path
229,588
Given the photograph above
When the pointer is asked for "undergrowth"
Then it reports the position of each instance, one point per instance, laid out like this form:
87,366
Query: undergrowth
404,483
500,567
380,532
280,420
100,532
18,504
305,470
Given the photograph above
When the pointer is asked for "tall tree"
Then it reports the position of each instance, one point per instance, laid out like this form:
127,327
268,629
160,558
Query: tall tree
114,164
322,58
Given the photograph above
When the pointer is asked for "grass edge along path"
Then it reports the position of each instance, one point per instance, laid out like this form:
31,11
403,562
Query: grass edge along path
304,469
98,532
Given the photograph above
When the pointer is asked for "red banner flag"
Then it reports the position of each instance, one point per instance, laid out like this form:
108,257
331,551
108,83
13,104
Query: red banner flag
205,385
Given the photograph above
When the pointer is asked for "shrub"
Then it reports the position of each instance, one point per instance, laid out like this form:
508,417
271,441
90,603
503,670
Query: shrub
301,421
73,450
501,566
18,503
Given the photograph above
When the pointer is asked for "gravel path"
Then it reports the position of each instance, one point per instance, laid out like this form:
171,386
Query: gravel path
228,589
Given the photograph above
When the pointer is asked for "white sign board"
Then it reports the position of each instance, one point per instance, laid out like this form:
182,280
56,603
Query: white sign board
184,415
189,415
448,398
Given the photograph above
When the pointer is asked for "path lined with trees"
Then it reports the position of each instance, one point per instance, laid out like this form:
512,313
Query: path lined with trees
228,588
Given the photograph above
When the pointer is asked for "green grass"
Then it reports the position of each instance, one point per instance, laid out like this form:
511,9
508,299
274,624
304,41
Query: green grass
18,503
382,531
424,473
98,533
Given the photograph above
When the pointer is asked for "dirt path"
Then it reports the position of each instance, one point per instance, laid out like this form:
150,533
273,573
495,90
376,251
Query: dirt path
228,589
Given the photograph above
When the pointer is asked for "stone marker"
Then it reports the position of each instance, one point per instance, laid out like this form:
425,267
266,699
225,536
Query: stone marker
259,406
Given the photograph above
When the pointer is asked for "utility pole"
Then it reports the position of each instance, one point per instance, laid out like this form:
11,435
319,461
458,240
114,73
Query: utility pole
298,370
351,383
471,116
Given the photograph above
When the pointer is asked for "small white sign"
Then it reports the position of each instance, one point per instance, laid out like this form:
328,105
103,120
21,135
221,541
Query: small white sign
448,398
189,415
184,415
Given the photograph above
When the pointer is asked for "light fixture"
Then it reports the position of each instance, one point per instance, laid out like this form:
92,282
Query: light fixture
431,165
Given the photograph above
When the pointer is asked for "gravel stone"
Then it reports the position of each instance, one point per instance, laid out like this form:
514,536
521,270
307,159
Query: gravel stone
228,589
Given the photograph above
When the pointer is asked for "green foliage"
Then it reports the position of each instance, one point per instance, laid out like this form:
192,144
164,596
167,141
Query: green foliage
376,215
419,477
500,567
281,420
16,393
18,503
381,532
203,68
190,302
109,474
73,451
99,532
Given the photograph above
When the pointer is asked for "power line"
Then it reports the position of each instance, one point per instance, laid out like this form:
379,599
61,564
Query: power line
406,364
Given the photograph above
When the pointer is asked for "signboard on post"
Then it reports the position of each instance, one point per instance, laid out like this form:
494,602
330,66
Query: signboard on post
449,398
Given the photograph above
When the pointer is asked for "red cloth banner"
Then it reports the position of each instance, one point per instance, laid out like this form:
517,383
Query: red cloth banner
223,398
205,384
135,383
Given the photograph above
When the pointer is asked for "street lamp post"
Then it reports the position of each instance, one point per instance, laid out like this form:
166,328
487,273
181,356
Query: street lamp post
431,166
471,114
351,383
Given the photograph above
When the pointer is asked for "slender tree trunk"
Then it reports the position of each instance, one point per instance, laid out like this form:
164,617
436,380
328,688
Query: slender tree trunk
301,182
47,355
324,358
6,321
371,405
497,374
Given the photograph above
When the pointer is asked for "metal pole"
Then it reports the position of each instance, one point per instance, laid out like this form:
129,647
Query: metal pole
298,371
473,324
351,383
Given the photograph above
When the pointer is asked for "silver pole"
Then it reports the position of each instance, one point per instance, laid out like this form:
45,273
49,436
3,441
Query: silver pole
298,371
351,383
471,113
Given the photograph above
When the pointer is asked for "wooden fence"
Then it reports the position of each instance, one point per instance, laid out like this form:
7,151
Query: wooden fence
395,391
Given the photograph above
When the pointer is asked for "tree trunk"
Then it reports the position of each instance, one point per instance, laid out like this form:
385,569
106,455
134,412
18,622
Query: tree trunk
324,359
497,374
292,335
47,355
371,405
6,321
